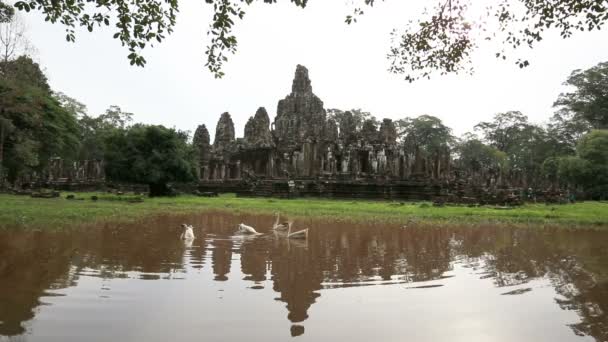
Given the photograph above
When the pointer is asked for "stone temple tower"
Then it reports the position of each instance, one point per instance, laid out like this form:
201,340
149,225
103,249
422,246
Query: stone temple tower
300,116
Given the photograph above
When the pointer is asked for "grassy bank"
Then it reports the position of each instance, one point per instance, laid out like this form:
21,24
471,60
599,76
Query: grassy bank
26,212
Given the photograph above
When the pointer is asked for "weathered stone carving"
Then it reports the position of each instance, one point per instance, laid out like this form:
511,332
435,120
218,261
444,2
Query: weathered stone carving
201,142
337,154
62,172
331,130
257,130
300,116
224,133
388,132
348,128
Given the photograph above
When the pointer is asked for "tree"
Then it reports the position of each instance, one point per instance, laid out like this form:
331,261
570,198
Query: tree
589,99
572,170
369,130
359,116
480,161
33,128
503,132
427,141
33,125
593,148
588,169
75,107
565,129
351,123
550,169
13,39
25,72
152,155
95,130
526,145
443,41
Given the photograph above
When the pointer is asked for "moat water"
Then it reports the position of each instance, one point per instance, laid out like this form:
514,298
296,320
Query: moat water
348,282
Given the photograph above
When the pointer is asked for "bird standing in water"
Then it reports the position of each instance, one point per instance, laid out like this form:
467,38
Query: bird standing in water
277,225
188,233
301,234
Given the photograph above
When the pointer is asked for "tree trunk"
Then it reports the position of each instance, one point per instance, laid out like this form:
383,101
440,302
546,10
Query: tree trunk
1,154
159,190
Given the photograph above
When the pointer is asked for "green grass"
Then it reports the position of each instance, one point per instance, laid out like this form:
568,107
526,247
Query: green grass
26,212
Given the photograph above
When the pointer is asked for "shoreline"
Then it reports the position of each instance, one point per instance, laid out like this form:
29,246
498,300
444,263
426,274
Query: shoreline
23,212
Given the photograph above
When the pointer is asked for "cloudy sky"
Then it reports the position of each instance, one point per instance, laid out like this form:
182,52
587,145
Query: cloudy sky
347,66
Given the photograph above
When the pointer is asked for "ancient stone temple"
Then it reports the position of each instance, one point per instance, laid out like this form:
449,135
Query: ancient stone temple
306,153
67,175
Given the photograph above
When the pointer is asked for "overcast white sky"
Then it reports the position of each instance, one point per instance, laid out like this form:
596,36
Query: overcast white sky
347,66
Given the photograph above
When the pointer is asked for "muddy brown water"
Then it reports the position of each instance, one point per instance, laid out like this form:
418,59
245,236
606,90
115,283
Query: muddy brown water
348,282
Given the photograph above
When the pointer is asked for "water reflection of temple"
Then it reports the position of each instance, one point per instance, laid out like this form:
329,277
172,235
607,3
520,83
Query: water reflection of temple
33,263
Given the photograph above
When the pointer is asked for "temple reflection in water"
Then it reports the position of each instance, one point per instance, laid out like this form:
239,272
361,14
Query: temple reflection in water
35,265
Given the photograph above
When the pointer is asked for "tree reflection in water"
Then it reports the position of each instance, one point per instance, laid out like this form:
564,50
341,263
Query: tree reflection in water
336,255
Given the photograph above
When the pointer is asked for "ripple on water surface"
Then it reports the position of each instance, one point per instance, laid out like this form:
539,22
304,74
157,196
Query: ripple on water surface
347,282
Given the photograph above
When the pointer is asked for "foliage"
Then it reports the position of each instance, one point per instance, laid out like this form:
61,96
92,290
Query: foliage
425,134
354,118
572,169
6,12
526,145
95,130
152,155
589,168
444,41
480,159
369,130
137,24
504,130
565,130
351,123
593,148
35,128
75,107
441,42
427,142
23,71
550,168
589,99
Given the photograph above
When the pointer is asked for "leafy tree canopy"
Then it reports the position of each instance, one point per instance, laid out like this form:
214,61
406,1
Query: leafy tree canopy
442,41
33,128
95,130
565,129
590,167
25,72
426,134
152,155
589,98
526,145
477,157
358,117
593,147
573,169
505,130
6,12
